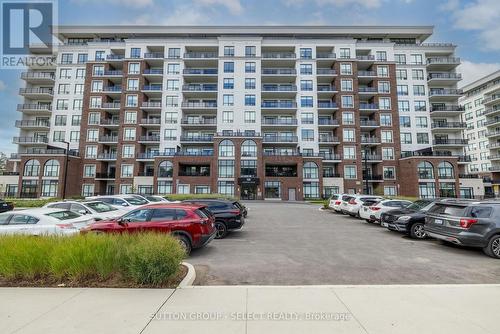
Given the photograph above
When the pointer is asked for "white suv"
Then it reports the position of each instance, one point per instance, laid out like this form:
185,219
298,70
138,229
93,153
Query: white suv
95,209
371,212
125,202
356,201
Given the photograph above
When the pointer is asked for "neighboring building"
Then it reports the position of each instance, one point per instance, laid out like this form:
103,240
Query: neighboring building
481,101
256,112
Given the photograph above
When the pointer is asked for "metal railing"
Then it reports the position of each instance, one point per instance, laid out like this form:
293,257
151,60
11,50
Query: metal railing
199,104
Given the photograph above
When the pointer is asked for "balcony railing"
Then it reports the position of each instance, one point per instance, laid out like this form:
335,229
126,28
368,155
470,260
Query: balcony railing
279,104
371,157
491,98
368,123
362,89
326,71
200,71
149,138
201,138
441,92
195,153
367,73
35,123
105,175
325,55
111,105
110,121
106,156
199,104
279,55
326,88
280,139
51,151
152,121
328,139
30,106
279,121
154,55
327,105
324,121
153,71
365,57
279,88
450,142
199,121
30,140
448,125
107,73
447,108
330,156
493,133
443,60
200,88
370,140
369,106
48,91
151,105
156,88
108,139
279,71
115,57
445,76
37,75
112,89
147,155
200,55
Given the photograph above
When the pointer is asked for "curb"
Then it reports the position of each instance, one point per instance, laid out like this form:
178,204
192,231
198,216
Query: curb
190,276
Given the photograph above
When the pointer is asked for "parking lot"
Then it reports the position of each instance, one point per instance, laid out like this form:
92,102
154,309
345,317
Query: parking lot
296,243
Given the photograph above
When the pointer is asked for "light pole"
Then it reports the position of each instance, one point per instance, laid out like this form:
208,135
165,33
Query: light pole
65,169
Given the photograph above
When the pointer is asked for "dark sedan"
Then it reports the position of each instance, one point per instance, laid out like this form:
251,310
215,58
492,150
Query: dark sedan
6,206
409,220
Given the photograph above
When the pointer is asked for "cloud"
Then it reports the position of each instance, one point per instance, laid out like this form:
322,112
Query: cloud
482,16
234,6
124,3
474,71
337,3
180,15
3,86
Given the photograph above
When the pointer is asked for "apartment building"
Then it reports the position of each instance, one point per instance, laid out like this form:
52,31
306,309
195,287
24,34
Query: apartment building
481,102
255,112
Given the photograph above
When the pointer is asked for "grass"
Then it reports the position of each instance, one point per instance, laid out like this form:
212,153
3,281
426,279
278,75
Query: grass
141,260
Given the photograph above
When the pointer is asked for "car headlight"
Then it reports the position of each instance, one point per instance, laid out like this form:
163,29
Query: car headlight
404,218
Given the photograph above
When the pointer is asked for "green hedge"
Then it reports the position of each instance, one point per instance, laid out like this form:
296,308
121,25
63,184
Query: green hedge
182,197
30,203
143,259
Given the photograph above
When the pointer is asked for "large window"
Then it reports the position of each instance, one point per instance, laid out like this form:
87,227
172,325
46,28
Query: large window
248,149
310,170
165,169
51,168
425,170
226,168
272,189
311,189
225,188
427,190
226,148
249,168
32,168
447,189
49,188
445,170
164,187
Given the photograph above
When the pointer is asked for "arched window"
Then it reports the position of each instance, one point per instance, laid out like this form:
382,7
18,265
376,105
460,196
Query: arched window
32,168
310,171
445,170
51,168
425,170
165,169
248,149
226,148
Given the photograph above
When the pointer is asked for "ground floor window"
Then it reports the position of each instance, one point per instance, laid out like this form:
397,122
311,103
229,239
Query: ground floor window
272,189
311,189
126,189
225,188
466,193
49,188
447,189
164,187
390,191
330,190
29,188
427,190
145,190
10,190
87,190
183,189
202,190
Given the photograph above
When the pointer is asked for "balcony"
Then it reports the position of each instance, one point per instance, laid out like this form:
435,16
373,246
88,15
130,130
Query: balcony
442,63
152,90
105,176
448,126
202,105
279,122
38,77
327,105
449,142
199,122
200,71
109,122
491,100
115,57
370,141
35,109
37,93
203,153
326,91
280,139
325,55
30,140
200,55
33,124
199,89
108,139
370,74
106,156
493,133
331,156
373,158
372,124
326,71
281,105
328,122
443,78
151,105
150,122
446,110
147,155
112,90
108,106
367,91
149,139
279,55
197,139
365,58
154,55
288,90
438,94
373,178
328,139
153,72
368,106
492,111
279,74
492,122
113,73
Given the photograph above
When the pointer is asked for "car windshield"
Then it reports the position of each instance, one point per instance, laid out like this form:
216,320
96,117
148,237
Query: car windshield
136,200
63,215
100,207
153,199
418,205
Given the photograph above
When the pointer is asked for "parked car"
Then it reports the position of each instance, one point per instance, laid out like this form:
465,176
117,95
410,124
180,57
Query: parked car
156,199
95,209
409,220
228,214
42,221
371,211
193,225
354,203
466,223
6,206
126,202
343,198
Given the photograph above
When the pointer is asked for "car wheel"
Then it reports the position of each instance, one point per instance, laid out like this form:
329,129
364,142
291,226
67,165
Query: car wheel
417,231
368,220
493,248
221,230
184,242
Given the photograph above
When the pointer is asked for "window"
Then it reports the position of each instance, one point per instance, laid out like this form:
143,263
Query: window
91,152
173,85
74,136
401,74
228,100
99,55
347,101
60,120
345,69
80,73
307,118
250,100
229,51
92,135
305,53
164,187
82,58
418,90
127,171
250,83
166,169
129,134
404,106
130,117
64,89
226,168
31,168
306,85
248,168
227,117
417,74
445,170
350,172
447,189
128,151
89,170
228,83
390,191
349,153
347,118
307,135
422,138
133,84
248,149
306,101
404,121
131,101
400,59
65,73
346,85
49,188
381,56
97,86
173,68
135,53
384,103
385,119
406,138
250,51
59,136
249,116
383,71
170,134
311,189
78,89
272,189
134,68
384,87
421,122
172,101
386,136
389,173
306,69
226,148
348,135
225,188
249,67
228,67
345,53
402,90
174,53
67,58
416,59
425,170
387,153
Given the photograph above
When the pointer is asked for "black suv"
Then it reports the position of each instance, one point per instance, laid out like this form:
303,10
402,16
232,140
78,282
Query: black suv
409,220
229,215
466,223
6,206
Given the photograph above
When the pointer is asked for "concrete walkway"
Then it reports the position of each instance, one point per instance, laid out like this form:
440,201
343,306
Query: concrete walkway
253,309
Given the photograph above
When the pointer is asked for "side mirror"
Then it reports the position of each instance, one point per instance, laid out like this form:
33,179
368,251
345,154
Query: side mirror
82,212
121,222
124,204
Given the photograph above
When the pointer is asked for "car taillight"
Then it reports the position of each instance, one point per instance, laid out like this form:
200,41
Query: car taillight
352,201
64,226
337,202
235,212
467,222
374,208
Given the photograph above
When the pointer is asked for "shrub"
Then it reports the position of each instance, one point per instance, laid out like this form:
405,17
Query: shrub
182,197
30,203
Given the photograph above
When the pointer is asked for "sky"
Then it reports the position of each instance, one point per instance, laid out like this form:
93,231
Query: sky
473,25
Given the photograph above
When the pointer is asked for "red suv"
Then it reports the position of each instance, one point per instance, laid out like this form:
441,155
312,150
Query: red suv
193,225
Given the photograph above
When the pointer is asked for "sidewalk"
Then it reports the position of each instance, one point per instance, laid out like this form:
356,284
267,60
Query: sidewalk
267,309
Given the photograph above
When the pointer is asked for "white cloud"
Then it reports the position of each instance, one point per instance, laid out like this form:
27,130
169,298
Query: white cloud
234,6
474,71
3,86
482,16
124,3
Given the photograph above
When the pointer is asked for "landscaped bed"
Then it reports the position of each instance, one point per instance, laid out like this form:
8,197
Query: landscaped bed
93,260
